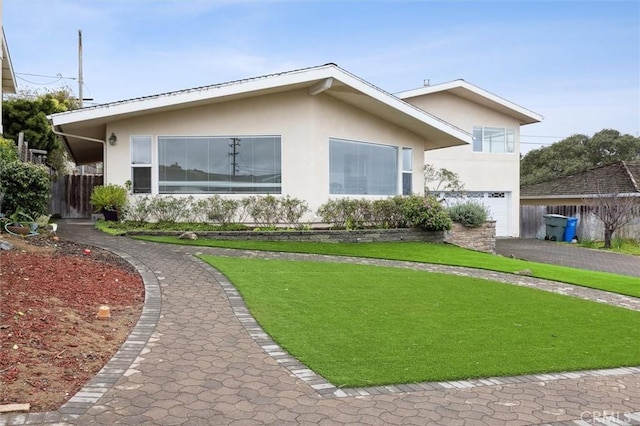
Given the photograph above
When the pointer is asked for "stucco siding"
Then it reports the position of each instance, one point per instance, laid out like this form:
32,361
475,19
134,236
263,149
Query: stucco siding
305,124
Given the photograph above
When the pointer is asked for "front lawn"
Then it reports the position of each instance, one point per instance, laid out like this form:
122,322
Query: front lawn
445,254
362,325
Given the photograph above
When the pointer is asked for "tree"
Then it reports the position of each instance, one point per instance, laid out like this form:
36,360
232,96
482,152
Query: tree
439,180
27,112
577,153
613,210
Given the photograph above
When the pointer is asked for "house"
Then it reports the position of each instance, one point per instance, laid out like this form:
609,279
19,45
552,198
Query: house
314,134
568,196
8,76
489,168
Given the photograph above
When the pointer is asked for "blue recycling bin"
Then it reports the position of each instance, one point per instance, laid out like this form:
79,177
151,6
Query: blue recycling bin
570,229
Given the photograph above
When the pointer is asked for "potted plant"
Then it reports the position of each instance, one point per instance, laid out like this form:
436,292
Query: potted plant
109,200
19,223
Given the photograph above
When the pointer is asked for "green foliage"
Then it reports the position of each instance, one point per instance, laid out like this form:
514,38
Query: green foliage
292,210
576,154
169,209
140,210
387,213
219,210
470,213
26,187
263,210
348,213
109,197
426,212
8,151
27,112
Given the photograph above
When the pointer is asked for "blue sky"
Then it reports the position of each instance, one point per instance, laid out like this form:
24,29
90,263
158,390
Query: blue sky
575,62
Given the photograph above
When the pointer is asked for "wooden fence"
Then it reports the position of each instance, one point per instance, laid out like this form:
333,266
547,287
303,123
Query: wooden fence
590,227
70,195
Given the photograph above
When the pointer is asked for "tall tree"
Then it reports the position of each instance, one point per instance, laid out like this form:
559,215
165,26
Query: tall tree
576,154
27,112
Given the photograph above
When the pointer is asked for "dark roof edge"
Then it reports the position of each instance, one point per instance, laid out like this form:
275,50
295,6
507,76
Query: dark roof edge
631,176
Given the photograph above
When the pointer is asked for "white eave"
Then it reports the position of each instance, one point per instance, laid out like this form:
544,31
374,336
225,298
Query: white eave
477,95
327,79
8,76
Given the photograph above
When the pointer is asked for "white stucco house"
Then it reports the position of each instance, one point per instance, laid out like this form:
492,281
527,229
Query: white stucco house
489,168
314,134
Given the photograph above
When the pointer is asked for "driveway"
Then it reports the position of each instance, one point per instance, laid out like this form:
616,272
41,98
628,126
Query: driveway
569,255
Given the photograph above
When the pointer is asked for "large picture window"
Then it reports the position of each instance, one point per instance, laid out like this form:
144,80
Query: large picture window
230,164
358,168
493,139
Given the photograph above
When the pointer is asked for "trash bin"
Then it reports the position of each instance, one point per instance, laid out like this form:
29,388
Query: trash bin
555,226
570,230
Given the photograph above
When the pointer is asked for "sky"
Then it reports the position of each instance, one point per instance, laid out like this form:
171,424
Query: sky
577,63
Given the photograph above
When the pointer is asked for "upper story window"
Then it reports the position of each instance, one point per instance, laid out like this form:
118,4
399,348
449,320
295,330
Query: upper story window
215,164
494,139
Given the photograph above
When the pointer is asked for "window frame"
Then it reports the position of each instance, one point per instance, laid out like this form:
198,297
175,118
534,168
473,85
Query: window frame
397,157
210,139
508,144
141,165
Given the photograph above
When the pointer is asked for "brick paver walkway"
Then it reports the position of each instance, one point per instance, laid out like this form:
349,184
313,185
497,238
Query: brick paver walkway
198,358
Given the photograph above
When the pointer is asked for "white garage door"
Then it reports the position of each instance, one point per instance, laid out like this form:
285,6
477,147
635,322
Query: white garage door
499,203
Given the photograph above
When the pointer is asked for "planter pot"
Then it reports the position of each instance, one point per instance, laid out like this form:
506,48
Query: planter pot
110,215
20,230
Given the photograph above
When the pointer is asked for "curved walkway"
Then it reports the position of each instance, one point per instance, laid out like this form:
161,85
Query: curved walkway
197,357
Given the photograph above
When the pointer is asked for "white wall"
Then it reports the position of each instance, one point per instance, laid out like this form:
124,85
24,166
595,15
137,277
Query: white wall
478,171
304,122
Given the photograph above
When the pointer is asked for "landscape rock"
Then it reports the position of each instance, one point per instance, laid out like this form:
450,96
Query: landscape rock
188,236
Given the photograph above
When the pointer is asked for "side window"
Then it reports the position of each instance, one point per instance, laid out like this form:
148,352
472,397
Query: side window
407,171
141,164
494,140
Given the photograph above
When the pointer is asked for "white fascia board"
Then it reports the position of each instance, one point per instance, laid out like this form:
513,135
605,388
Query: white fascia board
404,107
323,73
455,84
8,75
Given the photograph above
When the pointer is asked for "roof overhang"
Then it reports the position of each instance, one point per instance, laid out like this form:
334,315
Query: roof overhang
479,96
8,76
326,79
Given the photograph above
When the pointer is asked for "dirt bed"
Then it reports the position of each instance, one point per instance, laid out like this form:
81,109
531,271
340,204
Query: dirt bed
51,339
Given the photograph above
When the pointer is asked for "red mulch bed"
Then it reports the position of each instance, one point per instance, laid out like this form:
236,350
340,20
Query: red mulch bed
51,340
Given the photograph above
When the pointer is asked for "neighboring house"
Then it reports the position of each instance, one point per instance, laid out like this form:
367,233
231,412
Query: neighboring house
567,195
314,134
8,76
489,168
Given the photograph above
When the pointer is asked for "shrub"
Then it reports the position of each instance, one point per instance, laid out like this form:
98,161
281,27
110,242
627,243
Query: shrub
425,212
347,213
109,197
220,210
169,209
8,152
470,213
140,210
26,187
387,213
263,210
292,210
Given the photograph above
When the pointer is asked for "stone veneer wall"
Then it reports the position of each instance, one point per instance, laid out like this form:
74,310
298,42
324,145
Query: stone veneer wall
482,238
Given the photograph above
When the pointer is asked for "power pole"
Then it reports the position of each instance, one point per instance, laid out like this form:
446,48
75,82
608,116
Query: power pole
80,82
235,143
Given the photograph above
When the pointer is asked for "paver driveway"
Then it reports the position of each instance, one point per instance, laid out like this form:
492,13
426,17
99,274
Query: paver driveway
192,360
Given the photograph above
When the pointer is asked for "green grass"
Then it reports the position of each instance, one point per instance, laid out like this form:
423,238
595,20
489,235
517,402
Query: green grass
433,253
362,325
618,245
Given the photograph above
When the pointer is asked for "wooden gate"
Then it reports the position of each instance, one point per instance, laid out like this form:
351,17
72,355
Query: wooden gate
70,195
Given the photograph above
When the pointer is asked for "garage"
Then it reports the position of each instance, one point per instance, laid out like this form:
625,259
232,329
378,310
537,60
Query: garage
498,203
